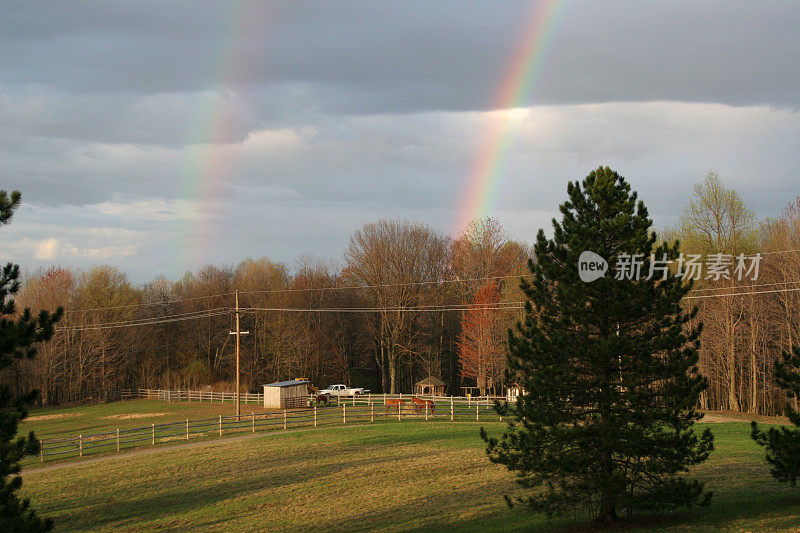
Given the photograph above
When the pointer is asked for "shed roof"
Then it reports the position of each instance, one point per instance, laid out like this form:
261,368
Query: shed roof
290,383
431,381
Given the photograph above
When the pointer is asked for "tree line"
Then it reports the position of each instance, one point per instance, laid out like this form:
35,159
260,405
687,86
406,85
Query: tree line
407,302
390,316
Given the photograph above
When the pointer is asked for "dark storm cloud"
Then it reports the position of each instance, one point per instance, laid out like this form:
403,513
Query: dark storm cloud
382,57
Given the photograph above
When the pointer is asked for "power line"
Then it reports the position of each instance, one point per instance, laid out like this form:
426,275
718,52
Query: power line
163,317
432,282
468,307
421,309
148,304
741,293
499,306
733,287
151,322
385,285
780,252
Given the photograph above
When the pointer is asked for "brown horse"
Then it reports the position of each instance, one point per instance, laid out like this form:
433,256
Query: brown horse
420,404
323,398
431,406
394,403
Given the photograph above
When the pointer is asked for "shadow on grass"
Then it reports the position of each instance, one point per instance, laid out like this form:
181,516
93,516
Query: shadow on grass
775,514
185,504
314,475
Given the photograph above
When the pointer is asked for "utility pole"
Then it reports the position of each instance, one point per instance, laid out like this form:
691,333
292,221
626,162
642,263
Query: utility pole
238,334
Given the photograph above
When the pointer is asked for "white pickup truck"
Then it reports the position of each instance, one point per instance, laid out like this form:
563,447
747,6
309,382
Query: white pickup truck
342,390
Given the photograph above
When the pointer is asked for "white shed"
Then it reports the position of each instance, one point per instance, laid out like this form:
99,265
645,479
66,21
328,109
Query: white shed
286,394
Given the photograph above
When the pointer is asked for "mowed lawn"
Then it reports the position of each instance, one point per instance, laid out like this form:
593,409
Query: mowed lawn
405,476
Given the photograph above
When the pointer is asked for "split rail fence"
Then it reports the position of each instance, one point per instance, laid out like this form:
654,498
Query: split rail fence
351,410
167,395
192,396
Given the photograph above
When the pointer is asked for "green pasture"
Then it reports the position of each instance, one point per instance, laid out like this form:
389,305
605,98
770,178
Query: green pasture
414,476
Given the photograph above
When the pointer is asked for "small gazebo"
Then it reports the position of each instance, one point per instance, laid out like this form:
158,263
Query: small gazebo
431,386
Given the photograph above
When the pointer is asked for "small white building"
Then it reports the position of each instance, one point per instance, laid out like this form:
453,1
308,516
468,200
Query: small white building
286,394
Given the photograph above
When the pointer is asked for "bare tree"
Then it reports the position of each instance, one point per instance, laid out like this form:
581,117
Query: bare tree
396,262
716,221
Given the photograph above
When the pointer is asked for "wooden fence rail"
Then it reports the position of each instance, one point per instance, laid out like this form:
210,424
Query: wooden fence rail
258,398
117,439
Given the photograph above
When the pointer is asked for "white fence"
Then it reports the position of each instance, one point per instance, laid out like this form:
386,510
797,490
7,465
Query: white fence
363,409
167,395
192,396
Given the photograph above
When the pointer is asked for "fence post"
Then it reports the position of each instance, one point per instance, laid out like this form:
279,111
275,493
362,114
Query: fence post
315,416
399,411
354,400
117,439
426,410
220,425
41,451
284,419
452,410
154,434
80,445
187,429
254,421
372,412
477,412
344,414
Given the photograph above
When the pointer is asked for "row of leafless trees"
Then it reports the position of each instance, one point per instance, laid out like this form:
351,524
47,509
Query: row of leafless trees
407,303
390,317
747,323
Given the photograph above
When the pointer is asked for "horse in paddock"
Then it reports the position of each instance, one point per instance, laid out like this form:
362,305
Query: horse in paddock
431,406
324,399
394,403
420,404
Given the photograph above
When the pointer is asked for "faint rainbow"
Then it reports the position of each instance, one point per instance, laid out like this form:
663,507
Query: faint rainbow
521,75
208,164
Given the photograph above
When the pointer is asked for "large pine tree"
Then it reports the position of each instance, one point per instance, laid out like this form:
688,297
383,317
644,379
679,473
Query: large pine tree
19,332
609,368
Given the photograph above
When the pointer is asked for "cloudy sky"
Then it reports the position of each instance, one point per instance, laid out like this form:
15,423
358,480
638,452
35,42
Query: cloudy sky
159,136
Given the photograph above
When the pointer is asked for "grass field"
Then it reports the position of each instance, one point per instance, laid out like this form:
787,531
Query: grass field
122,426
395,477
55,422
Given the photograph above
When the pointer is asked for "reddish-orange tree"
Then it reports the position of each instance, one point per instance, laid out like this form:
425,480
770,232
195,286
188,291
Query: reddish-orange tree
481,350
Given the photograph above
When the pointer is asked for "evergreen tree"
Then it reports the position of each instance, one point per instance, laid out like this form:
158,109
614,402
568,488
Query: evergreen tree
783,443
608,368
18,335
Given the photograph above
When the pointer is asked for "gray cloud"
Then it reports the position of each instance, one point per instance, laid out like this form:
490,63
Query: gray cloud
290,191
276,128
407,56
